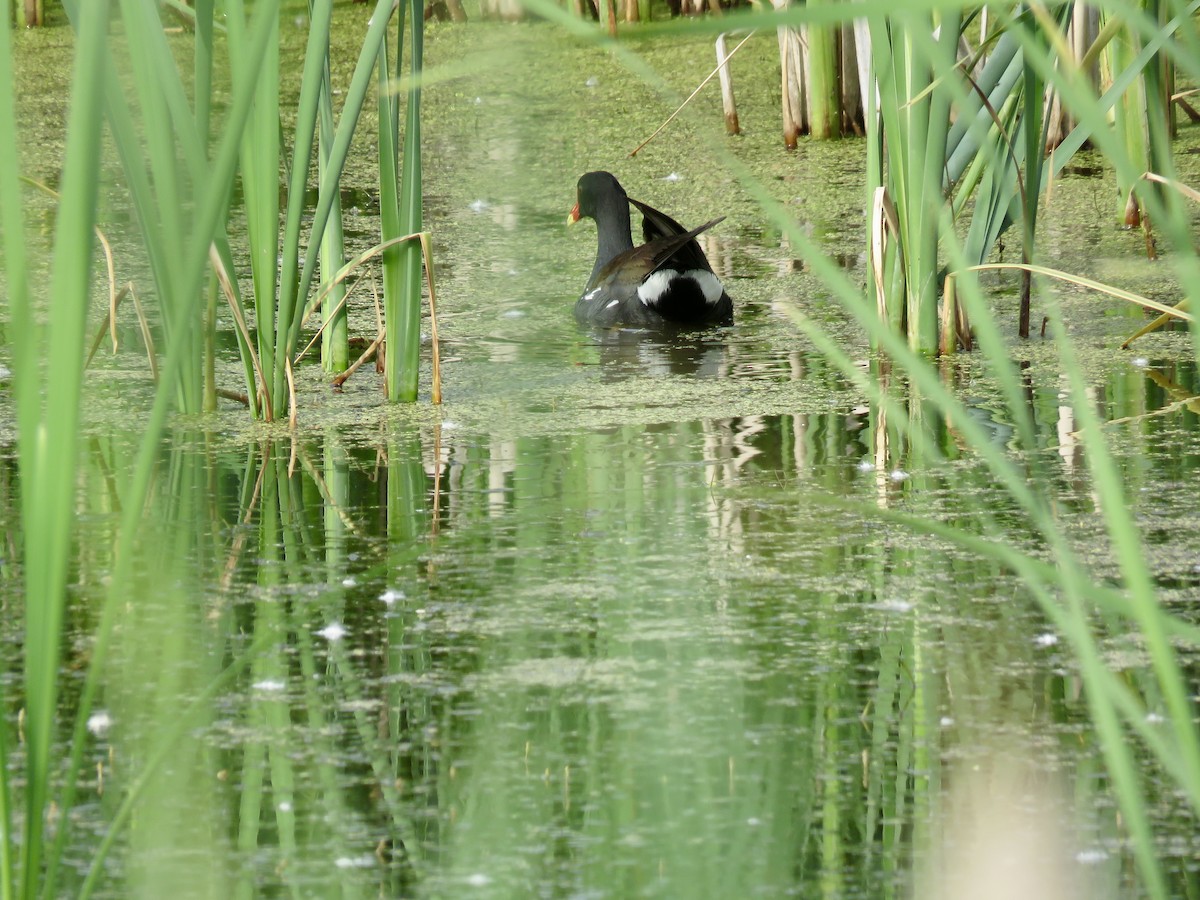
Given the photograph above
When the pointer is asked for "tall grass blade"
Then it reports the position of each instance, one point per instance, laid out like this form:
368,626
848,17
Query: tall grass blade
1033,128
335,337
16,277
214,184
260,161
48,378
174,157
258,396
202,80
289,301
391,261
403,320
291,288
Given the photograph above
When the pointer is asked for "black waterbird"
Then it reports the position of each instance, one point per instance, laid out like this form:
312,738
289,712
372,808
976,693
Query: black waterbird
666,282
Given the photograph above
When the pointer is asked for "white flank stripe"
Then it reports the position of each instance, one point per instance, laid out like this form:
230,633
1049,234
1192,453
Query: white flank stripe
710,285
650,290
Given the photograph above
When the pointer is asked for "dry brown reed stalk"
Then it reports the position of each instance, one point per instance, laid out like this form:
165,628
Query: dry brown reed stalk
345,271
291,383
235,396
367,354
109,324
147,334
321,329
1180,100
436,358
884,220
956,329
240,321
1179,311
349,268
791,63
711,75
728,103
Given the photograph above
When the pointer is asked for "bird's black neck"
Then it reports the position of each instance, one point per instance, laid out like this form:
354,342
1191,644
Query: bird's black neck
612,227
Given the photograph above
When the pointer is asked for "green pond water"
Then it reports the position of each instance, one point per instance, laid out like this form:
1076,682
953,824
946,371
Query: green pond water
617,620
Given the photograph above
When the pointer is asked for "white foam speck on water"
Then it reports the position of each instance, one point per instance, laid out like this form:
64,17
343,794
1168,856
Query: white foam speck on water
899,475
391,596
355,862
895,606
269,685
99,722
334,631
1046,640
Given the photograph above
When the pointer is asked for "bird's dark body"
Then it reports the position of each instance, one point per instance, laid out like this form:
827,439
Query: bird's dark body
666,282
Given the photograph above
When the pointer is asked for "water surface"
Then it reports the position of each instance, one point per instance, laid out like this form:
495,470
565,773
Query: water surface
620,619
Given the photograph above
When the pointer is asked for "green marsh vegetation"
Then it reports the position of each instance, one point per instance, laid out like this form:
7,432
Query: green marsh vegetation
176,155
529,720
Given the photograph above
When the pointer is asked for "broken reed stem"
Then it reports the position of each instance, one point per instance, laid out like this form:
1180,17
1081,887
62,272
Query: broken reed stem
108,324
112,285
235,396
728,103
435,393
147,334
324,324
291,383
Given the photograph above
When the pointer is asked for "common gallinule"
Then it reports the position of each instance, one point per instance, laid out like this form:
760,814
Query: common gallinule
666,282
